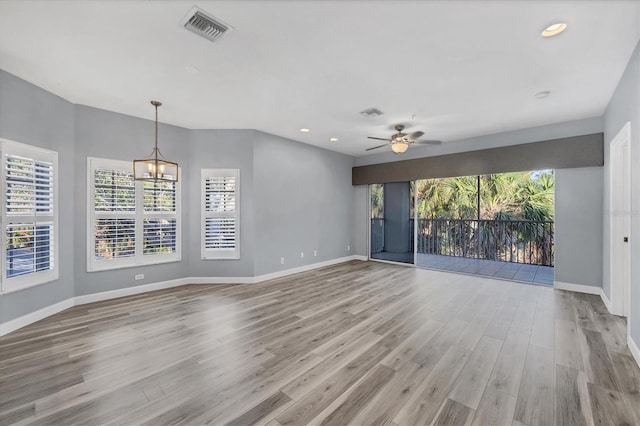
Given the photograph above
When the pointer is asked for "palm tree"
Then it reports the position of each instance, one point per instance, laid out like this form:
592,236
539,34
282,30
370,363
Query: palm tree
522,200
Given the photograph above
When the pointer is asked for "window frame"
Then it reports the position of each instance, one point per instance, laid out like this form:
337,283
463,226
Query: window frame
219,254
35,153
138,215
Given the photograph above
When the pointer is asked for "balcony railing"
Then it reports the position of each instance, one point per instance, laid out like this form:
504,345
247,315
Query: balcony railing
517,241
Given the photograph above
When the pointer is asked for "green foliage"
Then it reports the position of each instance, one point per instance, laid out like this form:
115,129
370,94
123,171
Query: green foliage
515,211
377,201
504,196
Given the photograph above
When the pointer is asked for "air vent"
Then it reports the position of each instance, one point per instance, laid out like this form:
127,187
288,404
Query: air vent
371,112
205,25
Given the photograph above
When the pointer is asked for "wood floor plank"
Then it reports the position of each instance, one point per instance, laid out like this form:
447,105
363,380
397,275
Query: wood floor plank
535,403
596,359
501,322
573,407
507,372
317,400
453,413
433,350
260,411
360,343
360,396
567,347
393,395
410,346
306,382
627,373
495,408
429,396
543,331
473,378
609,407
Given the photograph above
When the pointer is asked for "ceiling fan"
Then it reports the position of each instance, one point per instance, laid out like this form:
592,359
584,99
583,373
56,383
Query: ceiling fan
400,142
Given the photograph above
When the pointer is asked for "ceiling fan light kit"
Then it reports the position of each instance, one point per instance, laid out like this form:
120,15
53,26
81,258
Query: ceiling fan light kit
399,147
400,141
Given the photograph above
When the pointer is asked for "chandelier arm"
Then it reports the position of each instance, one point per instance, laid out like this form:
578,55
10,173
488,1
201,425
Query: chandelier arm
156,149
156,167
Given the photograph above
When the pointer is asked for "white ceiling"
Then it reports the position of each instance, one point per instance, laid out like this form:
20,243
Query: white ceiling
463,68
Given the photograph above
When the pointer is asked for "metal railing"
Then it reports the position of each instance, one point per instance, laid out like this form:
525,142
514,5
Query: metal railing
517,241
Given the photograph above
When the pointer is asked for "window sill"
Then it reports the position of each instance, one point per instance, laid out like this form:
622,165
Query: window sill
24,286
112,267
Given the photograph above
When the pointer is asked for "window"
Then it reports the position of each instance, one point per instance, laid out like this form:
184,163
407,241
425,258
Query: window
29,215
220,214
131,223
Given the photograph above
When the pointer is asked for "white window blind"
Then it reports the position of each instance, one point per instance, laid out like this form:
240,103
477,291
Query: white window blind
29,216
220,214
131,223
160,224
114,205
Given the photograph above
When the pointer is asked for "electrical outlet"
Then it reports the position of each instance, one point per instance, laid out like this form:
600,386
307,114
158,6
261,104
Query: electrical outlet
301,255
282,260
139,277
315,253
348,248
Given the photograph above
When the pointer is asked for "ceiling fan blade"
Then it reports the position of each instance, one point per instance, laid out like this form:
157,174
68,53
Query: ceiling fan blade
415,135
428,142
378,139
376,147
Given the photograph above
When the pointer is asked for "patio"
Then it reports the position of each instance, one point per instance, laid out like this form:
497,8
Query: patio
533,274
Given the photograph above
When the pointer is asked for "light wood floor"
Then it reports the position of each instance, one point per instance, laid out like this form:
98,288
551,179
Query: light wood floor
360,343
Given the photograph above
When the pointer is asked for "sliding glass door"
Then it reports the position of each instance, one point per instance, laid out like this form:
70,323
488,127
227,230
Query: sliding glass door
497,225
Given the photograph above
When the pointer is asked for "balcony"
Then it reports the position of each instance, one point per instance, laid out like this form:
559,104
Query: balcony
510,249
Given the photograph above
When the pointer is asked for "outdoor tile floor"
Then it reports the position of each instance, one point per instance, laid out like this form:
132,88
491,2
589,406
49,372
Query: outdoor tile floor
492,268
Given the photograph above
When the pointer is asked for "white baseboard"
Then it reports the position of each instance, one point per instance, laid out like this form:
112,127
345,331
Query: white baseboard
220,280
272,275
360,257
606,301
25,320
305,268
578,288
633,348
38,315
129,291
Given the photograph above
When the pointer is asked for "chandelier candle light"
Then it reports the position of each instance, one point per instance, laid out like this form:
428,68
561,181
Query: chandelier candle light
156,167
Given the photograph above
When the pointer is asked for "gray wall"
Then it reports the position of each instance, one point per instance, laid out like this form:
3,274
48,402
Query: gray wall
105,134
300,199
304,202
568,243
623,107
578,225
362,220
30,115
223,149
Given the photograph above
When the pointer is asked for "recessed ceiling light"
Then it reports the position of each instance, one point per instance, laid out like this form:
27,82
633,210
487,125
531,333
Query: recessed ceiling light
333,139
542,95
304,130
554,29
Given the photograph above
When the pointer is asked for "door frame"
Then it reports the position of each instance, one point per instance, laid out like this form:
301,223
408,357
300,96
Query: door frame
620,221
